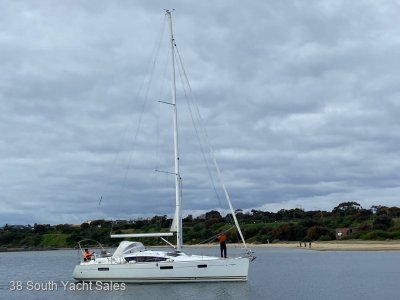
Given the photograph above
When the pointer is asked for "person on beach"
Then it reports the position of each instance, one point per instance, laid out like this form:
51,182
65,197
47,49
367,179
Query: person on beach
222,243
86,255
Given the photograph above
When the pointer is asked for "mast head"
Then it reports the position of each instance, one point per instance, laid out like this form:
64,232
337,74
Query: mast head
169,11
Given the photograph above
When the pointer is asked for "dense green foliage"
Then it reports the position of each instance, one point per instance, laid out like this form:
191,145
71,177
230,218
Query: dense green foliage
377,223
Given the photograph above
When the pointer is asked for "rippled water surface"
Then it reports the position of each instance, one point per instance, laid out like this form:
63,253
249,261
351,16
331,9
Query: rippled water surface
275,274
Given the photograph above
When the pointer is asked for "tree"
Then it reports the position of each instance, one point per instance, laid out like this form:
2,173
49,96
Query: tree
289,232
257,214
213,214
40,228
347,208
85,225
160,221
382,222
213,217
188,219
315,232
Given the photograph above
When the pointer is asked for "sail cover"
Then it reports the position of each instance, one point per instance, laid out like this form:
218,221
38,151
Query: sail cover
174,226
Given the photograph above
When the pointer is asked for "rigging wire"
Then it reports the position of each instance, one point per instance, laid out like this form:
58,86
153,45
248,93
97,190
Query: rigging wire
188,96
144,103
211,151
215,236
151,69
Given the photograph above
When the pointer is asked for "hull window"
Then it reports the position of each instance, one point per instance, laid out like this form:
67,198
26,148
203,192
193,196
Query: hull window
145,258
202,266
103,269
166,267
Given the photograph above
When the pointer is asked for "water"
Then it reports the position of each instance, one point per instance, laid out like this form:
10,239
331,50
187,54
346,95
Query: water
275,274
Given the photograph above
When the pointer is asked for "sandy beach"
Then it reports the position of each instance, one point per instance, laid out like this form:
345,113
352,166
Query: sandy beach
351,245
339,245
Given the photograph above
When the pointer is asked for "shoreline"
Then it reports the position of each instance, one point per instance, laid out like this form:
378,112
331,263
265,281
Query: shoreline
354,245
348,245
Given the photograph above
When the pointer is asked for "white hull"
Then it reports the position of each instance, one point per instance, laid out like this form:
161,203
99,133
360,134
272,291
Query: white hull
228,269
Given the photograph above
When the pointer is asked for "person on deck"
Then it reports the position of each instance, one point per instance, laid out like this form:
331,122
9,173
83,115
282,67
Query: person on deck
222,243
86,255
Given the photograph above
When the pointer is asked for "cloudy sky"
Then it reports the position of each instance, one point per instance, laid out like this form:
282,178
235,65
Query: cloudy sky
300,100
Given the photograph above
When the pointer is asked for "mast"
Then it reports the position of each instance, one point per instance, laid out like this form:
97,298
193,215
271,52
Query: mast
176,150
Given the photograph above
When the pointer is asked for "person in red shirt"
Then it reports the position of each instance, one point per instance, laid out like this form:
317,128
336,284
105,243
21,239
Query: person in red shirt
86,255
222,243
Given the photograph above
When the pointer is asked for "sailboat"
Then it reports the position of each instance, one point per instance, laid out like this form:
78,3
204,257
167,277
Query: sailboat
132,262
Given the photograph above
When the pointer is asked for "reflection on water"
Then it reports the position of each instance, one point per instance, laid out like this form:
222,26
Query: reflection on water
275,274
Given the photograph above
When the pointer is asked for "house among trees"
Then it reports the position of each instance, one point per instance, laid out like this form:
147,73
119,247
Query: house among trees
343,232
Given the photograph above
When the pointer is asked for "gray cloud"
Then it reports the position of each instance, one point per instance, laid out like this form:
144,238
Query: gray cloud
300,101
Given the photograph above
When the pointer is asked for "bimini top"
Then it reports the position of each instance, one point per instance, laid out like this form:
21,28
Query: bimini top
126,247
